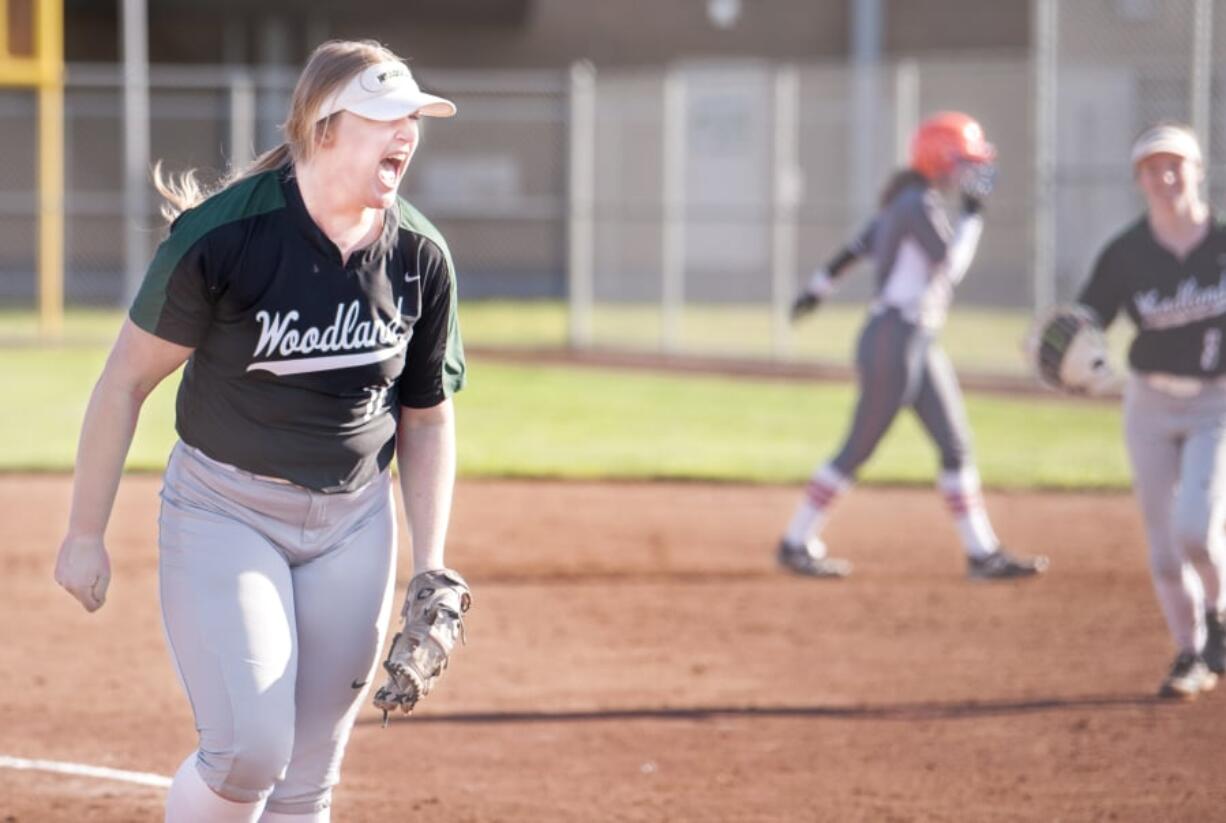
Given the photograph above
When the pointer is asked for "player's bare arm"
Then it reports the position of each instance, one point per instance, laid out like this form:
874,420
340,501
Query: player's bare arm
138,362
437,597
425,452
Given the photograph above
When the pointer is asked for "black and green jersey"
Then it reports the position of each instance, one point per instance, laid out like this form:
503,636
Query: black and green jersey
301,363
1177,306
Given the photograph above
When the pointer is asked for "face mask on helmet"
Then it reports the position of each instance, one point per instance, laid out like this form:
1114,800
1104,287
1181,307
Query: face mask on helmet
975,178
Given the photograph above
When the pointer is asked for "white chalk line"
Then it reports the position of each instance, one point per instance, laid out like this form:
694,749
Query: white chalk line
83,770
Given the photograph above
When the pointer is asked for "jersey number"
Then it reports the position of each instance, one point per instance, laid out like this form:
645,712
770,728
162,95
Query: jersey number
1210,350
378,397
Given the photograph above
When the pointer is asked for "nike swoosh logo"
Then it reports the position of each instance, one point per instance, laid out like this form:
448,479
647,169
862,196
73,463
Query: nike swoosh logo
358,684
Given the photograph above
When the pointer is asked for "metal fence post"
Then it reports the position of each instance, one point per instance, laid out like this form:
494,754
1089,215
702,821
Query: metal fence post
672,291
136,144
867,24
786,195
906,108
581,185
1043,271
1201,87
242,118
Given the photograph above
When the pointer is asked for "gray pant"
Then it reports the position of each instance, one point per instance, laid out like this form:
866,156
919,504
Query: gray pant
899,363
275,604
1178,452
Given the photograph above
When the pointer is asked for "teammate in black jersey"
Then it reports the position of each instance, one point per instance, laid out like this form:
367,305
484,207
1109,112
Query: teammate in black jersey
316,312
1167,271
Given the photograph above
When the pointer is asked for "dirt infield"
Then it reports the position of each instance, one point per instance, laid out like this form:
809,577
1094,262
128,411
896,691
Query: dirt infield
633,656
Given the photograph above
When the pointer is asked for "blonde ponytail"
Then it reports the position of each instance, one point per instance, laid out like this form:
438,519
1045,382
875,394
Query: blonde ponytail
330,65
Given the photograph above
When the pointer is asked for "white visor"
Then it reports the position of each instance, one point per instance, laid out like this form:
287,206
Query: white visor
1166,140
385,91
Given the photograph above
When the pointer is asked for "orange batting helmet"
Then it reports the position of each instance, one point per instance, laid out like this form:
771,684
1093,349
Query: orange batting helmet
946,139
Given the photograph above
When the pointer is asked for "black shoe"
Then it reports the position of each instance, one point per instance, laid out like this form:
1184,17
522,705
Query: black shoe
1215,642
1189,677
1000,565
803,560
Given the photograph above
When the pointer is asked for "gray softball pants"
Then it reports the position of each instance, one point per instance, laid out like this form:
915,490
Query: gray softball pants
899,363
275,604
1178,451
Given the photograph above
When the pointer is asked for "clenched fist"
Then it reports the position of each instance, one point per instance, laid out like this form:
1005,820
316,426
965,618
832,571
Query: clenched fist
84,569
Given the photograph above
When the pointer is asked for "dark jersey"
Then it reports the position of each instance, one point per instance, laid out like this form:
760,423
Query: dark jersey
918,255
301,362
1178,307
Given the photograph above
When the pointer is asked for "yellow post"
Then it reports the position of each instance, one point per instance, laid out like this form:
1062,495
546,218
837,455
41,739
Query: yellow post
51,210
43,71
23,70
50,46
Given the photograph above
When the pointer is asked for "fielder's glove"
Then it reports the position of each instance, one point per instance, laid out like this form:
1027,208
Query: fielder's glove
433,616
1068,351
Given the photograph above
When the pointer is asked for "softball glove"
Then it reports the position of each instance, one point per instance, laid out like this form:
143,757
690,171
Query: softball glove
433,617
1068,351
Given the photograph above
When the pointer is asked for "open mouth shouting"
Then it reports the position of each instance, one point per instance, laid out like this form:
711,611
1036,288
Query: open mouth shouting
391,167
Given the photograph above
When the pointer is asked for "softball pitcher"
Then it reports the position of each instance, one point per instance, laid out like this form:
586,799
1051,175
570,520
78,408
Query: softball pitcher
919,259
1167,271
316,313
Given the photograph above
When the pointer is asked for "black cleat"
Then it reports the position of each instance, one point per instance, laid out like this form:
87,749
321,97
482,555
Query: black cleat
803,560
1189,677
1001,565
1214,654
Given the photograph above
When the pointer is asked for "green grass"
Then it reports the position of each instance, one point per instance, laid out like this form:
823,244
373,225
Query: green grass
978,340
982,340
987,341
593,423
526,421
19,326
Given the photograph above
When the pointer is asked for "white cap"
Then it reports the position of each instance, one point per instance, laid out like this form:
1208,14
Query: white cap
1166,139
385,91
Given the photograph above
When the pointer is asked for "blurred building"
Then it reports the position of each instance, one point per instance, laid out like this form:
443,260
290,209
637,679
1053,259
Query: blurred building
496,180
728,145
547,33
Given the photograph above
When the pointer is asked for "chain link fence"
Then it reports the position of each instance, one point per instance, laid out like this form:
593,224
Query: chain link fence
678,208
493,180
1113,68
18,193
718,188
